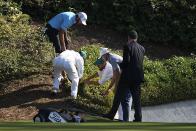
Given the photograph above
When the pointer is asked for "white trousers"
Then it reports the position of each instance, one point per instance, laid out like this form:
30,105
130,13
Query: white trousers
119,113
72,74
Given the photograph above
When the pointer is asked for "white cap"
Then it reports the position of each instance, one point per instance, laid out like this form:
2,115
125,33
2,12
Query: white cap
103,51
83,17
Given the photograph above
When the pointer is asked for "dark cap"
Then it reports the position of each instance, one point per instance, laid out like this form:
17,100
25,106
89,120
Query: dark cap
99,61
133,34
83,54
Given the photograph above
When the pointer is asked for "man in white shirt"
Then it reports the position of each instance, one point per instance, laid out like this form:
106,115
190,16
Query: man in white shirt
105,73
114,60
72,63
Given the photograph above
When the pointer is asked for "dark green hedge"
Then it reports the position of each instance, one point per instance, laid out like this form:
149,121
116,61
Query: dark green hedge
169,80
157,21
23,50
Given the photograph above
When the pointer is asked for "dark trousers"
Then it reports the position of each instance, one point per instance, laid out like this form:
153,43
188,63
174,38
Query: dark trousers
136,95
52,34
123,95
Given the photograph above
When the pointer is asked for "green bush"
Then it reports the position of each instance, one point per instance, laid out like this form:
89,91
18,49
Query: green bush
169,80
23,48
156,80
166,81
9,62
157,21
183,77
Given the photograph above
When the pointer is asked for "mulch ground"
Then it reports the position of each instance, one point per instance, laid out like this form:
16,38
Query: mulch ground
21,99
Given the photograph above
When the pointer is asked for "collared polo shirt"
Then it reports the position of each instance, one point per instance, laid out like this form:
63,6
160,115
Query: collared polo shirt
63,20
115,60
105,74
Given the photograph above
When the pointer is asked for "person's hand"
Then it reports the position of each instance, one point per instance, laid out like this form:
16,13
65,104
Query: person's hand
63,50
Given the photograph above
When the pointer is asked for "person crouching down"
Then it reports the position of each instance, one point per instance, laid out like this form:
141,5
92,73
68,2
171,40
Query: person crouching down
105,73
72,63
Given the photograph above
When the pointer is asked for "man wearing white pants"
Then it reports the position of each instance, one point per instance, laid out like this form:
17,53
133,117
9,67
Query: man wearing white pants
72,63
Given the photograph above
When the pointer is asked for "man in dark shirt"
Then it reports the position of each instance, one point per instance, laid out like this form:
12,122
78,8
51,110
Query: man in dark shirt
131,78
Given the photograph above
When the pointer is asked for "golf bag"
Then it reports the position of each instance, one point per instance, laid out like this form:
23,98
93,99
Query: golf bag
62,116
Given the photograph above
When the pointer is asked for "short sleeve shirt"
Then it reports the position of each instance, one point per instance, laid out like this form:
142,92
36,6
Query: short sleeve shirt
105,74
63,20
115,60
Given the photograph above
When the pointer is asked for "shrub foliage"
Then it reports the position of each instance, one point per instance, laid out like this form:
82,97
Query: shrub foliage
159,21
23,49
166,81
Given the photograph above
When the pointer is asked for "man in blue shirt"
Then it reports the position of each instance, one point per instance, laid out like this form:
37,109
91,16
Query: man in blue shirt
58,25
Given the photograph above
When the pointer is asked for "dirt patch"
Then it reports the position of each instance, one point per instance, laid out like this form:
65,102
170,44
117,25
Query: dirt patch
115,40
21,98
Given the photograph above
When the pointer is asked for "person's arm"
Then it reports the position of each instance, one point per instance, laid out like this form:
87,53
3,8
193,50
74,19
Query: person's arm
110,88
106,75
80,66
144,50
63,33
87,81
62,39
66,40
126,57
